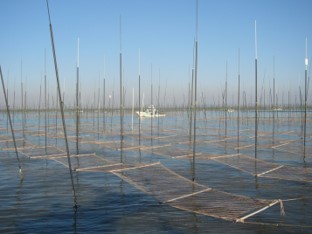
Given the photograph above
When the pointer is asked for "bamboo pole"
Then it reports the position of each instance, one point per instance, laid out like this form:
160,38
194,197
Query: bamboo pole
121,98
305,97
195,97
62,110
77,100
11,126
256,92
238,102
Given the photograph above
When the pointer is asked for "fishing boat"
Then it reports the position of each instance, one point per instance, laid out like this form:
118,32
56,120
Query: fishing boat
230,110
278,109
150,112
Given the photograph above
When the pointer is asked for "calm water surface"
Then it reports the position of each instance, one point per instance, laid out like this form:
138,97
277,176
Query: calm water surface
43,201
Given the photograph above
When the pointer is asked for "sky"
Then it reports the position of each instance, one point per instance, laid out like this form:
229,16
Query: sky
156,39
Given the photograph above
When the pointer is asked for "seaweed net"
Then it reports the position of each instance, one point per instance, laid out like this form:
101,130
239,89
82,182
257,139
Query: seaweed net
20,144
156,136
262,168
264,142
89,162
43,152
296,148
170,188
3,137
171,151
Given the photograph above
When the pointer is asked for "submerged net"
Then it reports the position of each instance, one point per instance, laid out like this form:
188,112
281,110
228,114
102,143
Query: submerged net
43,152
170,151
291,173
3,137
158,181
89,162
262,168
245,163
296,148
20,144
170,188
81,160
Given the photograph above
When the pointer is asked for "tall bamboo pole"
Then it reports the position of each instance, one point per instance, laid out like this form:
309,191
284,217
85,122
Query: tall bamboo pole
195,97
238,102
77,101
256,92
121,98
62,110
305,96
11,126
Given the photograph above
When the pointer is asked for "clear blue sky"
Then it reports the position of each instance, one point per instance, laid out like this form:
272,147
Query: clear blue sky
164,31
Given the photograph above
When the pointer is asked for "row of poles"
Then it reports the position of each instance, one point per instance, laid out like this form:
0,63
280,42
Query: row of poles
193,98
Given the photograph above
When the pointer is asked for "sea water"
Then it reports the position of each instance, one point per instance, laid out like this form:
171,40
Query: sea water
43,201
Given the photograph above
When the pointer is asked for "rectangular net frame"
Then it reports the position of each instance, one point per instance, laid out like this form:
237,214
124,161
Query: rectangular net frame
43,152
20,144
261,168
89,162
177,191
171,151
296,148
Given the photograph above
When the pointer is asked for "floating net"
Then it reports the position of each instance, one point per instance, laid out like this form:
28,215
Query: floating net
20,144
37,133
89,162
156,136
290,173
43,152
127,146
89,140
170,188
171,151
262,168
206,156
295,148
263,142
3,137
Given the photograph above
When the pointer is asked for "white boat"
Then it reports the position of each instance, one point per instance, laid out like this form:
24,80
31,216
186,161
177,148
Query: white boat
150,112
